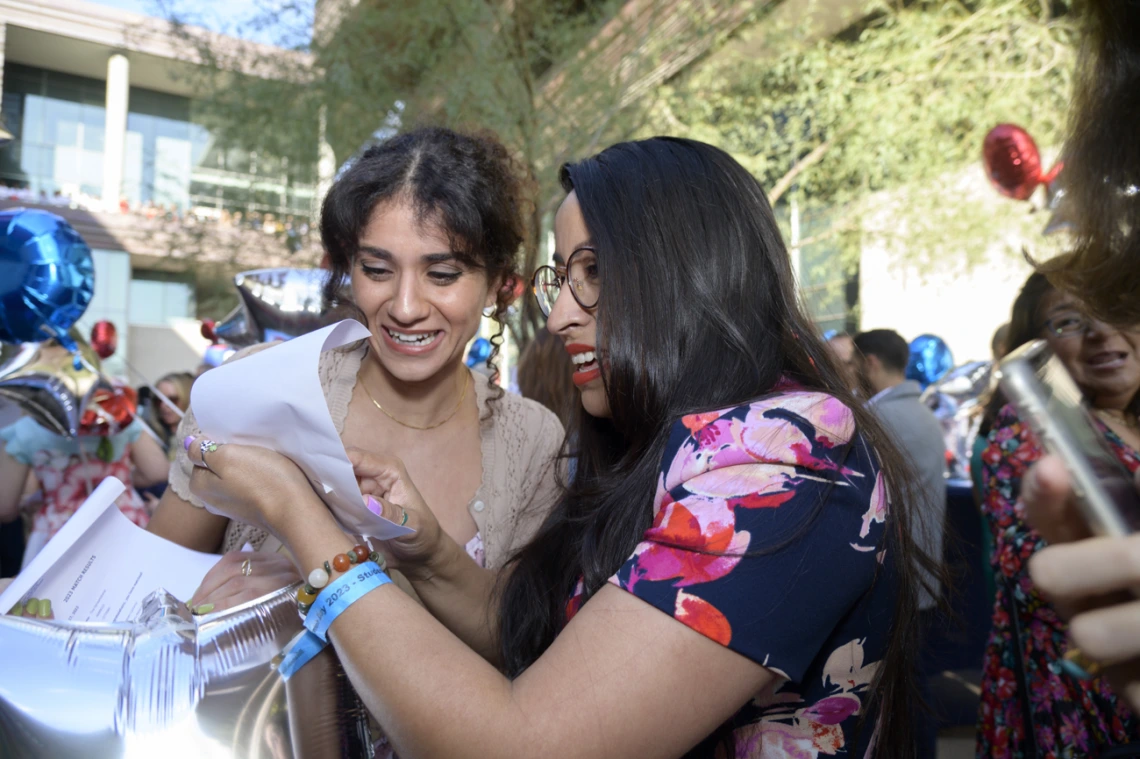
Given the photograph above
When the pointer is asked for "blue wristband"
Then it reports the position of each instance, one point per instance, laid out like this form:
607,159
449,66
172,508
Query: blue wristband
341,593
332,601
299,652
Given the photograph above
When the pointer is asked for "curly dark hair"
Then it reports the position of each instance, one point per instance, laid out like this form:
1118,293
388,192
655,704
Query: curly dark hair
1102,165
467,183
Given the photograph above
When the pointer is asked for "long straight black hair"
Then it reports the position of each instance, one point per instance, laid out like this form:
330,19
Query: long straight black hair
698,311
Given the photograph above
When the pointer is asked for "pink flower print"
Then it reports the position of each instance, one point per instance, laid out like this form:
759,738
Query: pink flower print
698,614
689,462
877,508
834,423
775,740
748,485
773,440
833,709
695,546
1073,731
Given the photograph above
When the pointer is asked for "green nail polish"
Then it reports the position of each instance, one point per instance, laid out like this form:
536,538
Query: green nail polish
17,610
32,607
204,609
45,609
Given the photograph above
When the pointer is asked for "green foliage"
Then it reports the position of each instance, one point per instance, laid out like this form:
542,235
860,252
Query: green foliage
553,78
900,102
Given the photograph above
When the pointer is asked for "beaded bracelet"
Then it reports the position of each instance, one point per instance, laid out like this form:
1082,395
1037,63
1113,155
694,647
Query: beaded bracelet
341,563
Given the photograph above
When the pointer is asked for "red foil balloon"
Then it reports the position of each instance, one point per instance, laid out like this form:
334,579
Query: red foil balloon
104,339
1013,163
109,411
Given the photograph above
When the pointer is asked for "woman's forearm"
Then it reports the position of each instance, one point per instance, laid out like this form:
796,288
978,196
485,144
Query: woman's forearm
460,594
393,651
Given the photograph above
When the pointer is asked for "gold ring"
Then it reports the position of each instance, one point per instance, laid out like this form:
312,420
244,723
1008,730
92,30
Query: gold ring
247,568
1076,663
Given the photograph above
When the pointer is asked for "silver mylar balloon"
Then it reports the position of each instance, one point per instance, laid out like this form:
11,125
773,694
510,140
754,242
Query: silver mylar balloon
174,686
954,400
276,304
42,379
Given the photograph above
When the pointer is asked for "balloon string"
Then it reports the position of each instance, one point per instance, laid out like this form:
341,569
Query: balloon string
166,401
1049,176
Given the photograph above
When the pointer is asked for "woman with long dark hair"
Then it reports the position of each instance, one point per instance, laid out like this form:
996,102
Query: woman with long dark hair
724,575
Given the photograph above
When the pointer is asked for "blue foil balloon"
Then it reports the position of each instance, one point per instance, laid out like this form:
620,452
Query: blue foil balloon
930,358
480,351
47,276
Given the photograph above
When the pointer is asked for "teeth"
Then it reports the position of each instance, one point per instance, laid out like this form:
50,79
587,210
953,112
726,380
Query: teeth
422,339
581,359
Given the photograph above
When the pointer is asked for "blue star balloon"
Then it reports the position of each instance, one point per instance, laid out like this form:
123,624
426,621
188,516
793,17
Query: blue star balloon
930,358
47,276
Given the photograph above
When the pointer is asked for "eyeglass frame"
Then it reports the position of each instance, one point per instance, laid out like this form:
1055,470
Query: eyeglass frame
562,281
1087,324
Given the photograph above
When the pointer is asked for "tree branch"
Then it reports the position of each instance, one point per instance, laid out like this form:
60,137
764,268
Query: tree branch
802,165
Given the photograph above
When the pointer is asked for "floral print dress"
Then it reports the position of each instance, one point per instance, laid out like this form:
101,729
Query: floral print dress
69,470
767,538
1071,718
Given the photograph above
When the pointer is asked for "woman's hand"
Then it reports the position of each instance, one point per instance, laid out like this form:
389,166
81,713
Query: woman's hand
248,483
1089,579
227,584
385,479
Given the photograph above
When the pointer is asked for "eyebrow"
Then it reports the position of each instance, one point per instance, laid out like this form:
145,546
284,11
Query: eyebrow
560,259
1063,307
428,258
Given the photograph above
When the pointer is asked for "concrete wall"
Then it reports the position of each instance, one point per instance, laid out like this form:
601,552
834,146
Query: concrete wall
156,351
916,289
962,305
110,302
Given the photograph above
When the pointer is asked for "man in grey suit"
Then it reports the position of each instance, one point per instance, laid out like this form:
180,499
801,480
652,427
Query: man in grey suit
881,359
882,356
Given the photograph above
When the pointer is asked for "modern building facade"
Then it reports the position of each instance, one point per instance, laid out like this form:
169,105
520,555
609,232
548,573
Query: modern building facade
99,104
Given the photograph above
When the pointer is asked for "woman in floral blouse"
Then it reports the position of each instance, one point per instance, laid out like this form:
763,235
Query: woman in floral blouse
724,577
1022,678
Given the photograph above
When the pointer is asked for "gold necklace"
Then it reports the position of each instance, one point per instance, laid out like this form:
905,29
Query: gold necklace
454,411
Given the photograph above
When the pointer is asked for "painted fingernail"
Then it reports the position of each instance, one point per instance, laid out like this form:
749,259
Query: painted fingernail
188,442
45,609
17,610
32,607
204,609
374,506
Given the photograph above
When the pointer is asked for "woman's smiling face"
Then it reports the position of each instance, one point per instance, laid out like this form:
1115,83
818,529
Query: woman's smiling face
1103,359
422,303
575,325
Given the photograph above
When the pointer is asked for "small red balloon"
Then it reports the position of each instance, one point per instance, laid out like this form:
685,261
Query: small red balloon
208,330
109,411
104,339
1013,163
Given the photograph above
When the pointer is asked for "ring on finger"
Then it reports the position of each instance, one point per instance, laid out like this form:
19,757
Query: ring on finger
246,568
1079,666
208,446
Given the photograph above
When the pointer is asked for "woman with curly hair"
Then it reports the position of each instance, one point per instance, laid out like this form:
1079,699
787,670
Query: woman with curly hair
426,227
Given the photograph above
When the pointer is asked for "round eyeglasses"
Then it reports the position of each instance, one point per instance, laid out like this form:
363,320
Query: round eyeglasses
1068,325
581,271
